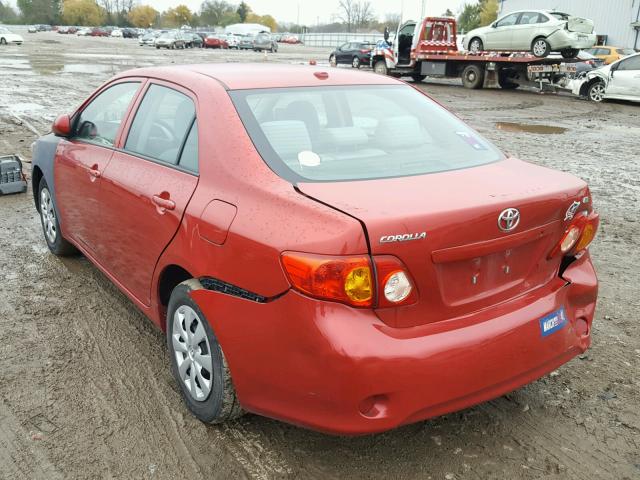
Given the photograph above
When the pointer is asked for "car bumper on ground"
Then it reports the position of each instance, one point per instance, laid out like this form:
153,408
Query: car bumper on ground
341,370
562,39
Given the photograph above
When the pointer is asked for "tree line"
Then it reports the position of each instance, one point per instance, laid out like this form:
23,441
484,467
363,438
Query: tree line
477,14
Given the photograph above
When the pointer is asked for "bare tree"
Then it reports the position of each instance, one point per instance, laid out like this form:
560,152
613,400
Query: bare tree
346,12
363,14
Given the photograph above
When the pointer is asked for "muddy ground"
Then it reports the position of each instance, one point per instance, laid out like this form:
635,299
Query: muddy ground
85,388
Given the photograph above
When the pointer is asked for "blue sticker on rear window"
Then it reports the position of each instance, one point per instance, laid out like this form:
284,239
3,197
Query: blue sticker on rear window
553,322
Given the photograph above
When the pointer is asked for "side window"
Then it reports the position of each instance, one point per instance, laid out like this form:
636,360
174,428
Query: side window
189,156
542,18
508,20
100,120
632,63
528,18
161,124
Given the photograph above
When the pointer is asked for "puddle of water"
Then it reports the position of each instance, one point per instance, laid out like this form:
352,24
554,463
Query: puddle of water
24,107
530,128
89,68
96,55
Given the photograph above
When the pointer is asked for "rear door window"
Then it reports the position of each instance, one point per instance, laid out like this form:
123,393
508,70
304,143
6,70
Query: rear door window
528,18
632,63
100,121
161,124
189,156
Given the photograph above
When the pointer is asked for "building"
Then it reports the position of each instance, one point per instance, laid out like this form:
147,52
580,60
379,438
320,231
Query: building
617,20
248,28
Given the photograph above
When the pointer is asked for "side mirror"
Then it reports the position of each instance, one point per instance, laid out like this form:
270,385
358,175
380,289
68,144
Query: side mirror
494,24
62,126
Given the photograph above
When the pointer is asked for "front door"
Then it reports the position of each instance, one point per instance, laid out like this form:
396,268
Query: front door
500,35
625,80
81,160
147,186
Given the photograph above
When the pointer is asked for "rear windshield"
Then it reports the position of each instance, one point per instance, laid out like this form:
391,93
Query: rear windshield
357,132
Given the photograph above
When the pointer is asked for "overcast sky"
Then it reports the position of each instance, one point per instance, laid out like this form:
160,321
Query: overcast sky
312,11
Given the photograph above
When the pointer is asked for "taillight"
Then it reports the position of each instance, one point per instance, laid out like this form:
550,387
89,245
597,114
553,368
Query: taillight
351,279
341,279
365,51
578,235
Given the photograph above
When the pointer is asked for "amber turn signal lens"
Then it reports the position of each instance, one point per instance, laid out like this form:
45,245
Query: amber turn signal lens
342,279
588,234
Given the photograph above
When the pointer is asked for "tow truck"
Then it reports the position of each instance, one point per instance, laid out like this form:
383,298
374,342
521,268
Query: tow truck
430,49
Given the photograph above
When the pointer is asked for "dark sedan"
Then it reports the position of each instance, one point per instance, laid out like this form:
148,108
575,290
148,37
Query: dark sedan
355,54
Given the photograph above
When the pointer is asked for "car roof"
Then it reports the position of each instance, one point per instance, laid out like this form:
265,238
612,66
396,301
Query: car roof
242,76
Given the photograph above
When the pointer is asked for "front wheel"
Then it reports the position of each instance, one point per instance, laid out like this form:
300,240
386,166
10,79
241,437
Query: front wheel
540,48
569,52
476,46
473,77
197,361
380,67
355,63
3,41
596,92
50,225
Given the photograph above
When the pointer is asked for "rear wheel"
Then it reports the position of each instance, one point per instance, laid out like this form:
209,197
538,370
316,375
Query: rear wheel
540,47
596,92
473,77
475,45
332,61
569,52
197,361
3,41
355,63
417,78
50,225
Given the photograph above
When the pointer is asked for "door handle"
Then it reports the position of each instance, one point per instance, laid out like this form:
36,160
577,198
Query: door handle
163,203
94,172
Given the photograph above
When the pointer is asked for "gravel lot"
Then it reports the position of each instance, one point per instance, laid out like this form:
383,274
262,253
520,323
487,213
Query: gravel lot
85,386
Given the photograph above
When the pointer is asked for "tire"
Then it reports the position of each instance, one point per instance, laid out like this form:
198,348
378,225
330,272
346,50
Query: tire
355,62
596,92
505,81
476,45
220,404
50,226
569,52
473,77
380,67
332,61
3,41
540,47
417,78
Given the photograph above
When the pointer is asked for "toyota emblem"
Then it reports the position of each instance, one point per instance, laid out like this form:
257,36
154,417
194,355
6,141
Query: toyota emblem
508,219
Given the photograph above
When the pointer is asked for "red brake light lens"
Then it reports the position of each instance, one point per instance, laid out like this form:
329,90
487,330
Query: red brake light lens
578,235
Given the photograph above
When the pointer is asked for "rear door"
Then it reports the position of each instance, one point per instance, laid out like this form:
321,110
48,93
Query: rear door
528,27
81,160
148,185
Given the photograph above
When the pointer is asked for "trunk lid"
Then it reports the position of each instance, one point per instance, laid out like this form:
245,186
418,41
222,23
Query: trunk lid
465,262
580,25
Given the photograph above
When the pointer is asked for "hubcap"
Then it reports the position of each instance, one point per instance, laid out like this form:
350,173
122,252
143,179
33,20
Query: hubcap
539,47
356,62
475,46
597,92
193,353
48,215
471,76
332,61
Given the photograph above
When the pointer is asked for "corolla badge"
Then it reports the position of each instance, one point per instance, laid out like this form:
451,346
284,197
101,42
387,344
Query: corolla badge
508,219
571,211
403,237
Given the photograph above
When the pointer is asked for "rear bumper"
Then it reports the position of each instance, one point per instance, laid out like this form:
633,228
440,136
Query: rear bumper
562,39
341,370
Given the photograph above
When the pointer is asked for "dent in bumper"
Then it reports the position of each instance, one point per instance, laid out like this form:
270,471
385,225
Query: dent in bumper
341,370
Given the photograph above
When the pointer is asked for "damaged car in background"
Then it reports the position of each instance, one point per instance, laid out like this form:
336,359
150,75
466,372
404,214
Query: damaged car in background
617,81
538,31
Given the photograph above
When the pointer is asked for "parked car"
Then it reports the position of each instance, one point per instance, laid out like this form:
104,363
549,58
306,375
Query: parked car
148,39
246,42
32,29
117,33
538,31
130,33
619,80
99,32
233,40
171,40
63,30
610,54
290,39
264,42
282,250
9,38
214,41
83,32
193,40
355,54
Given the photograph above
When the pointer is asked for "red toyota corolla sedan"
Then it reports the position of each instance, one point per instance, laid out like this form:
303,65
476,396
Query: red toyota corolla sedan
335,250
